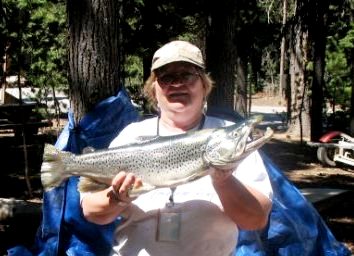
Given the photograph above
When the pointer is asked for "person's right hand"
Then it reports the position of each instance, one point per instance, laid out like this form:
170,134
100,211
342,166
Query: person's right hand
122,183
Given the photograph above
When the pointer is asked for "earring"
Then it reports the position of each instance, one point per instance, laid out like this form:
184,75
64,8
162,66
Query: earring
205,106
158,109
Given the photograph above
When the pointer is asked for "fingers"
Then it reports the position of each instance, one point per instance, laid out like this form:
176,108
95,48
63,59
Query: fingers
123,182
220,175
138,183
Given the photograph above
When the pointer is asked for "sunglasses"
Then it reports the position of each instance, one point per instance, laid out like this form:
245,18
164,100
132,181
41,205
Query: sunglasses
173,78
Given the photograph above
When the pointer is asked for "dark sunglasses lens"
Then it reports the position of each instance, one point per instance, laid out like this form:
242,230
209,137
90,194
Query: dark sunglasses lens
175,78
166,79
190,77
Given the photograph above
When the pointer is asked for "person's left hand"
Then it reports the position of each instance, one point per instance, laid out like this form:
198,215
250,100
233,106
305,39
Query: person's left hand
219,176
122,183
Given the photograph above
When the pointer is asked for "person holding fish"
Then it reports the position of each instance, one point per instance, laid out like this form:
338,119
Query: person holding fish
197,216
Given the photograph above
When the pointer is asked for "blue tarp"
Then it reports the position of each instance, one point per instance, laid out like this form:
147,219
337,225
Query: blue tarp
63,230
294,228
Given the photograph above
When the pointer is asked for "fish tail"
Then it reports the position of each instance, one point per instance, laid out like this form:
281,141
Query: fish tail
53,168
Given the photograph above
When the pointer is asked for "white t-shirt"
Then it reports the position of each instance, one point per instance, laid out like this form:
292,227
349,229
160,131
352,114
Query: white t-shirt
203,227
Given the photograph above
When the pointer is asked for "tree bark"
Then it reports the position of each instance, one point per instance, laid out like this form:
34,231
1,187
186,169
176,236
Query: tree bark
221,52
299,122
318,35
282,77
94,59
351,127
240,102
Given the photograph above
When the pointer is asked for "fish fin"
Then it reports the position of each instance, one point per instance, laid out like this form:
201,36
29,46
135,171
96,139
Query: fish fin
90,185
87,150
52,170
228,165
147,138
135,192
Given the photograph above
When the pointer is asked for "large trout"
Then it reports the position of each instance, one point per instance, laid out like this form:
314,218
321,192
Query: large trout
159,162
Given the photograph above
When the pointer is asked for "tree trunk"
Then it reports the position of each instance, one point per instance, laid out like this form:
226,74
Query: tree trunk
299,122
282,77
94,57
241,88
351,127
221,52
318,37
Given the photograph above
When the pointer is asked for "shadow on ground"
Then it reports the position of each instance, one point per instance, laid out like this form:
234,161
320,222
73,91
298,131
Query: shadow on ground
299,163
290,155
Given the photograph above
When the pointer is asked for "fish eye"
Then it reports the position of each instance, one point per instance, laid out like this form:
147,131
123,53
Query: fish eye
235,134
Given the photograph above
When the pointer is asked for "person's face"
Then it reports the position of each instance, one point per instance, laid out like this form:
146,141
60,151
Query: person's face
179,88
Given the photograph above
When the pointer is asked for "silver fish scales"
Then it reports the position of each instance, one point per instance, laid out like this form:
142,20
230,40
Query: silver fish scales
160,162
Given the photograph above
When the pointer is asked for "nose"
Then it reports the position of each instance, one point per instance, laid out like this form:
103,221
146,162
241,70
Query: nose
173,85
176,83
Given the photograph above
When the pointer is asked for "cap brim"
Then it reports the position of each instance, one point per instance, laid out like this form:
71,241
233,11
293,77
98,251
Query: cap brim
164,61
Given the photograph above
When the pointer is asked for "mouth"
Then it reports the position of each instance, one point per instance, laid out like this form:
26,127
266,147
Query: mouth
177,96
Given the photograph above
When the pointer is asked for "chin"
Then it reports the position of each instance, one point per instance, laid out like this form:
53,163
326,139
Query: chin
177,106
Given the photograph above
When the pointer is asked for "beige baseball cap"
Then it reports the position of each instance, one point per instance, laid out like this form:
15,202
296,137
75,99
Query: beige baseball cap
177,51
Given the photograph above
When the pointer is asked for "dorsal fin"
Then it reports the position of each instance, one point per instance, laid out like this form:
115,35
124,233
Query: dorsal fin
87,150
147,138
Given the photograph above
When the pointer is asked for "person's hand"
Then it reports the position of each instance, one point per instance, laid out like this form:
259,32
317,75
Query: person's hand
122,183
219,176
103,207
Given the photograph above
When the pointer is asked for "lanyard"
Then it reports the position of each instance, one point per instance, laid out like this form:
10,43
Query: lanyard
201,124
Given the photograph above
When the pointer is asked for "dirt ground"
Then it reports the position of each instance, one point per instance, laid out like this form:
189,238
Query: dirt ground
297,161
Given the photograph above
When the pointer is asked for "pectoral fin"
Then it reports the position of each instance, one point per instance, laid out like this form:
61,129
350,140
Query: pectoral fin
135,192
89,185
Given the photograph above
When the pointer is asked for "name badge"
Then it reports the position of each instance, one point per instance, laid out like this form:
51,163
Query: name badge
168,226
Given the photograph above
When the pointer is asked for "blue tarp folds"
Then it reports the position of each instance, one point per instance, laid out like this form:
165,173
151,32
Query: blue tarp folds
294,228
63,229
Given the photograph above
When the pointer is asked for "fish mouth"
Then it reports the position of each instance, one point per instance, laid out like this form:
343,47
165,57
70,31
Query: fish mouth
259,142
250,147
259,138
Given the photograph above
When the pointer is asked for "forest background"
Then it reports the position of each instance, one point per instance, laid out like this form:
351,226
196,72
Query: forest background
301,50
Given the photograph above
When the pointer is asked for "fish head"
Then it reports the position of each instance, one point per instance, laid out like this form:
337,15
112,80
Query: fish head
229,145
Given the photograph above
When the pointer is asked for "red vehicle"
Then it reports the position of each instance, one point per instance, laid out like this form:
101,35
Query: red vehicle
335,147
